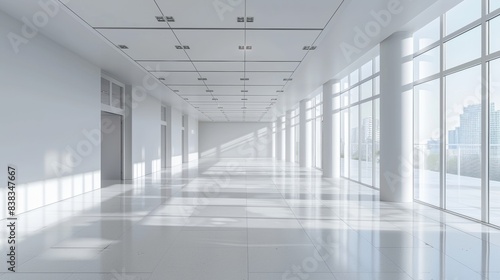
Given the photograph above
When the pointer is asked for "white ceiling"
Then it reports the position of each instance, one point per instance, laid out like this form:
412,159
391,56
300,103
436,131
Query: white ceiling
240,85
279,31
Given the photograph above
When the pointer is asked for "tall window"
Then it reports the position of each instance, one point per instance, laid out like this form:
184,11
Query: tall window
355,100
294,133
314,119
452,93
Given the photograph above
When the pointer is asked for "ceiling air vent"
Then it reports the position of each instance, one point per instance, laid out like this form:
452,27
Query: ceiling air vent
123,47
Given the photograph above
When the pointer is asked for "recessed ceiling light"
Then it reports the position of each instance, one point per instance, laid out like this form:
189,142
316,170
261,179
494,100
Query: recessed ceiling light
280,91
209,90
186,99
309,48
175,90
170,19
161,79
274,99
244,90
244,99
241,48
178,47
215,99
160,19
240,19
244,79
123,47
197,107
186,47
287,79
202,79
249,19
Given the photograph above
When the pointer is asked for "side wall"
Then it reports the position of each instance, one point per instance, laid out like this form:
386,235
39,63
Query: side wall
50,120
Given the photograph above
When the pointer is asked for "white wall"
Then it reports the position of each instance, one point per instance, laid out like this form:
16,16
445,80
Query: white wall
49,120
193,139
146,137
235,140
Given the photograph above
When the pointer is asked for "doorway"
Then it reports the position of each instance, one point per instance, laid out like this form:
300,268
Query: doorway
111,149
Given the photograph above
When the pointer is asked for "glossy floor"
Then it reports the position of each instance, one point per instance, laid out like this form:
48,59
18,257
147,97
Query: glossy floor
248,219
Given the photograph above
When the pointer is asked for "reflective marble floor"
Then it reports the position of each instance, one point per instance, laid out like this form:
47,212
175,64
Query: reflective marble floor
248,219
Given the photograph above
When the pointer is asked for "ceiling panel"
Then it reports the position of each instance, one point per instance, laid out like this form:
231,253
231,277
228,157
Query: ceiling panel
213,44
267,78
279,45
223,78
104,13
146,44
203,13
219,66
190,90
156,66
271,66
292,13
179,78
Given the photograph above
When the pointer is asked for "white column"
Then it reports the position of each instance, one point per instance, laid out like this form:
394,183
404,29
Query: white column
288,135
396,118
303,139
327,147
279,142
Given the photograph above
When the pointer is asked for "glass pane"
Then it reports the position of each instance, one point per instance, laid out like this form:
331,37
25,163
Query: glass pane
344,143
345,83
318,143
336,102
494,4
427,142
366,143
463,147
494,35
376,62
376,143
309,142
354,143
354,77
345,99
117,96
427,35
354,93
376,86
427,64
463,48
462,14
105,91
336,88
367,70
495,141
366,90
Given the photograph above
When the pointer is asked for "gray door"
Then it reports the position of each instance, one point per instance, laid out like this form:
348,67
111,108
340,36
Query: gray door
111,149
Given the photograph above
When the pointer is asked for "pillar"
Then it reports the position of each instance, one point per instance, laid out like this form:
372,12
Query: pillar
396,118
